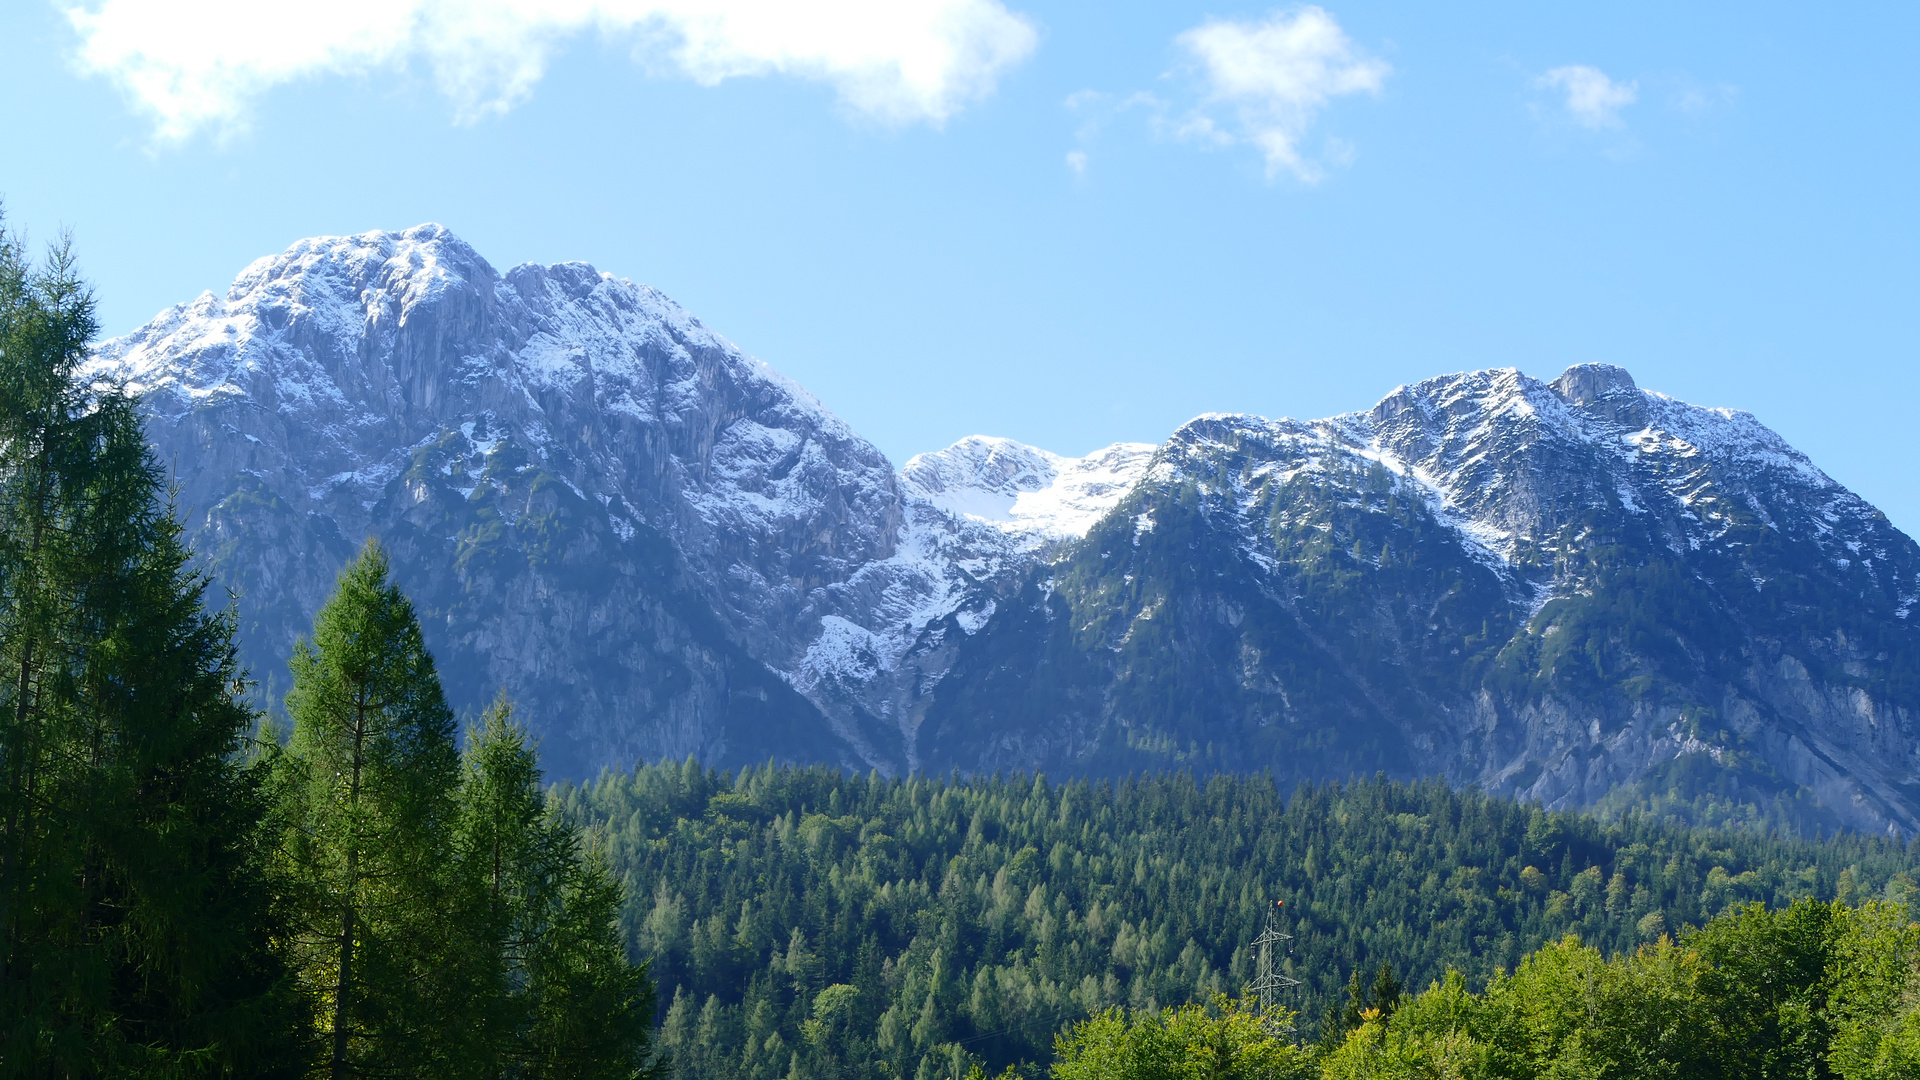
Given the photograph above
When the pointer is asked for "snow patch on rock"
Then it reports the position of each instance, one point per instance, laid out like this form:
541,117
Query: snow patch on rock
1039,499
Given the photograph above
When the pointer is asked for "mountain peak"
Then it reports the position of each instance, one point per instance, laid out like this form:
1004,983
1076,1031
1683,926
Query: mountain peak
419,259
1604,391
984,463
1583,384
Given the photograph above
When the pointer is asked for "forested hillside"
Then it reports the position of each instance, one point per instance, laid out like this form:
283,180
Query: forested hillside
806,923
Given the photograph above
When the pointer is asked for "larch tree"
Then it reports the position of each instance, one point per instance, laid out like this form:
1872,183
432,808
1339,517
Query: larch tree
387,940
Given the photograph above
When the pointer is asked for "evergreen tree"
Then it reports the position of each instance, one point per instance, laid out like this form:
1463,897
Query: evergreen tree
385,941
452,926
562,1000
591,1011
135,921
1386,991
1355,1000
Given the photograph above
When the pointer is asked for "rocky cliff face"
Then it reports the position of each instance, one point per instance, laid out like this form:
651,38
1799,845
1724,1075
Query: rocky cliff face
1578,592
654,543
597,503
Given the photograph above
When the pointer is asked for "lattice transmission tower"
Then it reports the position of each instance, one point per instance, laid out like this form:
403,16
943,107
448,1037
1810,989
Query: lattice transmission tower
1268,982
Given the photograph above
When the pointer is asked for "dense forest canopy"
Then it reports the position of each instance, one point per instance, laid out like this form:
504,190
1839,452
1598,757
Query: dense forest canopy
802,919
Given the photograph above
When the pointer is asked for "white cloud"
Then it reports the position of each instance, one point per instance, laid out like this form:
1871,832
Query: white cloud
196,64
1696,100
1077,161
1593,100
1274,77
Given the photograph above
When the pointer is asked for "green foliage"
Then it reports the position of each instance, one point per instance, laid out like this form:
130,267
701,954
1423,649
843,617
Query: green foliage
135,923
370,780
451,926
948,923
1362,1000
1222,1040
1812,990
561,1000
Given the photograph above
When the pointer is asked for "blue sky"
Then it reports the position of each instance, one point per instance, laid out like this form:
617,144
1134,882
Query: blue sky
1067,223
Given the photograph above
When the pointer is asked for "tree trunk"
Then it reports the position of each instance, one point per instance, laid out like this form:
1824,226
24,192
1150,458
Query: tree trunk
19,750
343,984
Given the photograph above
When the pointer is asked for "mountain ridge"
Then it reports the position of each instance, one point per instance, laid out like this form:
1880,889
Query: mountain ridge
1535,523
662,546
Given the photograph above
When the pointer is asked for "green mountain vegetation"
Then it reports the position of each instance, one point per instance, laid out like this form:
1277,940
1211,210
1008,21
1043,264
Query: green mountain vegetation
1812,990
179,898
802,922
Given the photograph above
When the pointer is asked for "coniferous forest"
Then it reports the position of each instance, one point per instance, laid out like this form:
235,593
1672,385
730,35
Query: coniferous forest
362,885
802,922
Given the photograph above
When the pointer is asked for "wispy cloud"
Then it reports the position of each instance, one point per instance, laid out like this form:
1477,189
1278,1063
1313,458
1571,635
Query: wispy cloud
1097,109
198,64
1592,100
1693,99
1268,80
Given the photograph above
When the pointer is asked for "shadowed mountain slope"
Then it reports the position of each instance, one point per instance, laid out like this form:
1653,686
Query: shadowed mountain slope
1579,592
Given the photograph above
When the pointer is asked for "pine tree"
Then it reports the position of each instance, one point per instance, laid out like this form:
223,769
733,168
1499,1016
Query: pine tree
369,784
135,921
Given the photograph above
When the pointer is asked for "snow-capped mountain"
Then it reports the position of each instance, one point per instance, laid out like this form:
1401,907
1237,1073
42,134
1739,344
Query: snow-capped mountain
1578,591
647,537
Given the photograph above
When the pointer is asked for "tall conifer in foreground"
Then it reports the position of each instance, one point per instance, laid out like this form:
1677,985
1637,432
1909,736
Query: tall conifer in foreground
451,925
570,1005
369,783
135,921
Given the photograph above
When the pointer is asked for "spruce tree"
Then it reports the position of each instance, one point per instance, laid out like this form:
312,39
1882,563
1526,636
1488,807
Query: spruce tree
135,920
369,782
